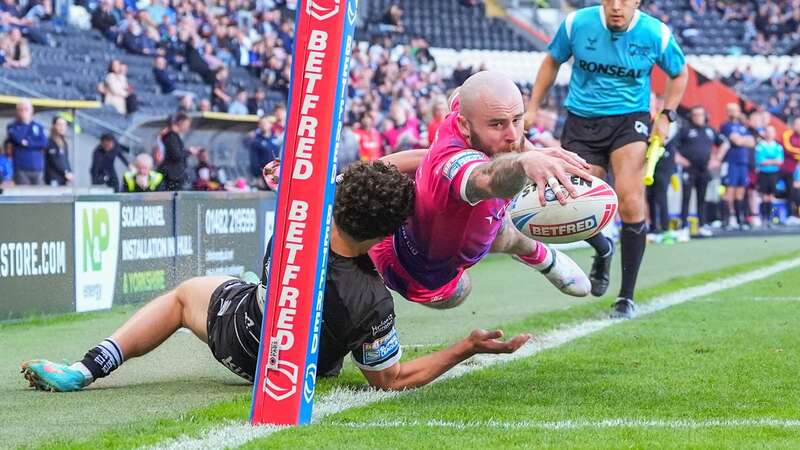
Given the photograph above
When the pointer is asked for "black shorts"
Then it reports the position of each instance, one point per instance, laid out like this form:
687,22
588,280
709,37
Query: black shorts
234,327
594,139
767,183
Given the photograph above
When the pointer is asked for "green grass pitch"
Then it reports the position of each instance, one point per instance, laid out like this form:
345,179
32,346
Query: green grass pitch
718,371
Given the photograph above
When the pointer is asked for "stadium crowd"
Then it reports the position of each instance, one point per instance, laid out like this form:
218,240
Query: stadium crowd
396,95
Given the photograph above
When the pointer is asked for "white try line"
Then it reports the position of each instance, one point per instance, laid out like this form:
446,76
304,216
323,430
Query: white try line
233,434
575,424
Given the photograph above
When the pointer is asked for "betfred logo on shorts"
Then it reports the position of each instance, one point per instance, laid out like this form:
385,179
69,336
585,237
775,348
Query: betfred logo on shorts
564,229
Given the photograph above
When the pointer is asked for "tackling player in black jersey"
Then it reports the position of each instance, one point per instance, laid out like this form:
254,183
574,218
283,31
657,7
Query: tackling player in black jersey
372,200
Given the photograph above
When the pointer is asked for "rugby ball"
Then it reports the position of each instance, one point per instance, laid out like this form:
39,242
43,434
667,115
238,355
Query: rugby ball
581,218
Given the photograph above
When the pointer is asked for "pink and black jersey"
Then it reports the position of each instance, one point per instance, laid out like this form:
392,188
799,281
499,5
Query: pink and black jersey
447,233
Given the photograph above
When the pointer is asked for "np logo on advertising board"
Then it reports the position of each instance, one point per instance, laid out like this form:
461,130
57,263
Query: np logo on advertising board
96,252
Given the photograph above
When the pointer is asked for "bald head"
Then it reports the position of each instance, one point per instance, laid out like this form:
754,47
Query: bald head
490,113
487,87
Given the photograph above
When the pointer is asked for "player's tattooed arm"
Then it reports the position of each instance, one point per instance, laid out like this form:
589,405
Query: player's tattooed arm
502,177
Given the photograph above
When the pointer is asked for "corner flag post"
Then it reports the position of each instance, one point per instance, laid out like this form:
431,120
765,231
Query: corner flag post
283,390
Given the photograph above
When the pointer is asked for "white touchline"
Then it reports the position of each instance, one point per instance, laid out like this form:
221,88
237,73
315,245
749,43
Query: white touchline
576,424
233,433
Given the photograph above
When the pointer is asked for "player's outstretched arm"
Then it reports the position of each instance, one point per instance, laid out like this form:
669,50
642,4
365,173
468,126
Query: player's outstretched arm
545,78
506,175
421,371
406,161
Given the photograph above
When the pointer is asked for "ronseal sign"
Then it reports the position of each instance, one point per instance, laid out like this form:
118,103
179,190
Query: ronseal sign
286,372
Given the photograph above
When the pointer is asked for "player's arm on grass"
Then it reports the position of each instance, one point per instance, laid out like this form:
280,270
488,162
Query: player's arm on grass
406,161
423,370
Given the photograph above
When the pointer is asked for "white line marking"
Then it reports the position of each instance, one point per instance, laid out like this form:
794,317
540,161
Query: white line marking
576,424
236,433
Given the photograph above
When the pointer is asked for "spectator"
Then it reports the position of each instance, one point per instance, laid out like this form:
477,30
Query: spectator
219,94
105,155
265,146
694,144
6,170
392,20
239,104
279,113
176,153
256,104
204,105
769,159
135,41
186,104
105,20
115,87
370,140
791,155
737,159
195,60
698,6
27,140
16,50
143,178
348,151
438,112
57,170
166,80
206,174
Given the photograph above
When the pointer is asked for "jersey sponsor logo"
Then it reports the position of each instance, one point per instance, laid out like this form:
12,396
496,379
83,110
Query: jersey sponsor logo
564,229
641,128
458,161
610,69
638,50
590,44
383,326
379,350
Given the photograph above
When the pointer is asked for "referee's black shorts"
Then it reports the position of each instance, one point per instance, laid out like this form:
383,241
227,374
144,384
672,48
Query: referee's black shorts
595,138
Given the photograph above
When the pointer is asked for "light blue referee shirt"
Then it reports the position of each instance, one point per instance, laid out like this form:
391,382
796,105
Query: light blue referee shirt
611,72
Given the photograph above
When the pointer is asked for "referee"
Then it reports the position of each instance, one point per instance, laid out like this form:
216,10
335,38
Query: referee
614,47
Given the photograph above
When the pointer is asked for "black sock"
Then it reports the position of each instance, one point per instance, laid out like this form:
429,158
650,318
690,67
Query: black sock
601,244
632,239
103,358
725,212
738,207
767,212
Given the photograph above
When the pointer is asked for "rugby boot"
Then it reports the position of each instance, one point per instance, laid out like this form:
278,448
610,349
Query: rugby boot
49,376
623,308
563,273
600,276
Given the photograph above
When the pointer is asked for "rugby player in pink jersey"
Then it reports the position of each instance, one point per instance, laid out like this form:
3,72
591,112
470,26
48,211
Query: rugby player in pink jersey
478,160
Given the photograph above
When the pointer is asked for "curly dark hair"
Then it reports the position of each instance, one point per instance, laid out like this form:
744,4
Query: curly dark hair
372,200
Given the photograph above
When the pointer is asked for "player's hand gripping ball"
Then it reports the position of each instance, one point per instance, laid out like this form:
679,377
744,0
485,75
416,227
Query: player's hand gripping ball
580,218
